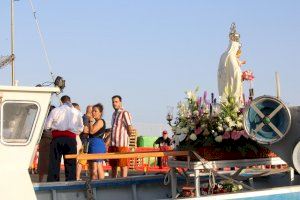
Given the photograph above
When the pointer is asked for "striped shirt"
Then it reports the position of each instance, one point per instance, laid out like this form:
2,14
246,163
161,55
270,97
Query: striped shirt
121,119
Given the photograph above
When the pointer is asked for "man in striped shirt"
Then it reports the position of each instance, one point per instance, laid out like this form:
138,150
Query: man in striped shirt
120,132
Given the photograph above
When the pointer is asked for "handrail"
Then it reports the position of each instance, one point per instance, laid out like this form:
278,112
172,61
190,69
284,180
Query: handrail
126,155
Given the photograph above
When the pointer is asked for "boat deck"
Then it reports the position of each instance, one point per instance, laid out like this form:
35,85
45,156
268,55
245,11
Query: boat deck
147,187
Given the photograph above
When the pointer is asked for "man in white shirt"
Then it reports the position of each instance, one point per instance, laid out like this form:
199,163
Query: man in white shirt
65,122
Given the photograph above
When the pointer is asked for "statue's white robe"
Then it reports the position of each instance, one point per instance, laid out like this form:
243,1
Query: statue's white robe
230,74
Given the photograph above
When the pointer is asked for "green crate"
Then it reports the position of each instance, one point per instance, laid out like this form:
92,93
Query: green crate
146,141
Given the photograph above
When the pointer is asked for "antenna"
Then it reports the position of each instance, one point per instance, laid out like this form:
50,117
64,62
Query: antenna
12,56
277,85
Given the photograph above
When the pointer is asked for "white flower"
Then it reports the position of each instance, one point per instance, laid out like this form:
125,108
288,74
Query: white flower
227,119
241,117
191,95
228,129
215,134
220,128
185,130
193,137
239,125
231,124
236,109
218,138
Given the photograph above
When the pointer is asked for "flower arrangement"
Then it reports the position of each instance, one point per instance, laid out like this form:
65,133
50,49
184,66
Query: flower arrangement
247,75
205,123
224,186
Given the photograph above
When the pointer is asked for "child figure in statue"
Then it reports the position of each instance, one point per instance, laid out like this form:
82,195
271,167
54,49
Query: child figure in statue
238,55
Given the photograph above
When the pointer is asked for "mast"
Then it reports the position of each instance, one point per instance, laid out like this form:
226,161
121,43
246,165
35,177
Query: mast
12,42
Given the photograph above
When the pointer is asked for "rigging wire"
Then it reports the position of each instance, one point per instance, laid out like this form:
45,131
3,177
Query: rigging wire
42,39
44,47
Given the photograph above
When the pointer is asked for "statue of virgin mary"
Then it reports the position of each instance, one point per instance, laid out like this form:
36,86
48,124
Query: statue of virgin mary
229,72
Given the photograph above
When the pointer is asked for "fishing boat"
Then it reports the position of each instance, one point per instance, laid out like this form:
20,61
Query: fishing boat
23,112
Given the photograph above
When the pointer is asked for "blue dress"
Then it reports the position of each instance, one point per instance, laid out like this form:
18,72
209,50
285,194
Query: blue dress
96,143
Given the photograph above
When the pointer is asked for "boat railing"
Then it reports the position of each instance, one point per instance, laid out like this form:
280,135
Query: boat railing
126,155
142,159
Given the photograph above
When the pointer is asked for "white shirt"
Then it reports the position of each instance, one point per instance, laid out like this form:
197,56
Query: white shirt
65,118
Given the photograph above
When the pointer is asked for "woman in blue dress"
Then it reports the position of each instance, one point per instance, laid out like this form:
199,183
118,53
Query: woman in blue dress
96,143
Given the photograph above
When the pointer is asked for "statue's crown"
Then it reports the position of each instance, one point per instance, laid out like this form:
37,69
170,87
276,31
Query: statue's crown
233,34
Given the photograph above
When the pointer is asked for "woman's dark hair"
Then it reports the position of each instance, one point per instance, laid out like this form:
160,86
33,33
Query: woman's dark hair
99,106
117,96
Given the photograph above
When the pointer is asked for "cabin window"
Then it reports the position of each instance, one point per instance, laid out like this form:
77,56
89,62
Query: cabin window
18,121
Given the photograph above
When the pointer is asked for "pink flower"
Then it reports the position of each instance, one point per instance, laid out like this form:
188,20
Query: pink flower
235,135
226,135
198,131
247,75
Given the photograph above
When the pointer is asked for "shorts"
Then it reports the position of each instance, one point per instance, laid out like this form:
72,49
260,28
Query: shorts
118,162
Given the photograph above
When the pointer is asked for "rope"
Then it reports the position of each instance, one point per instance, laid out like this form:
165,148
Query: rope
167,178
211,181
42,39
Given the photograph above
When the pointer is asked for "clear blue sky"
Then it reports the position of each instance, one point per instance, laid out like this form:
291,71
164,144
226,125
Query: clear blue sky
150,52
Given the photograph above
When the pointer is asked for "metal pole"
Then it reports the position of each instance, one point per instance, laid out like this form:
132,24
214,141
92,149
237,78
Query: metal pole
12,42
278,92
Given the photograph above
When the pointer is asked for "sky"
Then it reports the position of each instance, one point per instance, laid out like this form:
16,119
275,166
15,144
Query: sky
151,52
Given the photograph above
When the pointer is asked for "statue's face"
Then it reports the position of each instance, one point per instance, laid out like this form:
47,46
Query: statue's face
234,37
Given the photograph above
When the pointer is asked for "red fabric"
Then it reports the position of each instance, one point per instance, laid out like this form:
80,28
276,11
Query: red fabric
57,134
